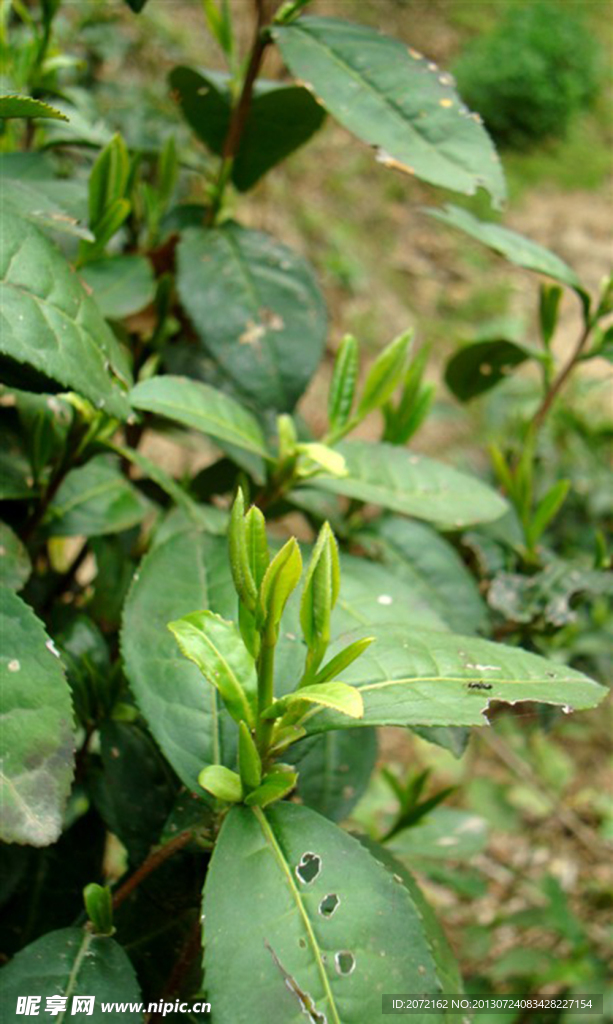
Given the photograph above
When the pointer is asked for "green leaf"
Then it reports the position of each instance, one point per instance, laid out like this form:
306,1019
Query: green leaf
343,659
36,728
513,246
74,963
134,790
249,760
108,182
136,5
549,304
202,407
190,570
221,783
395,100
343,384
215,646
547,508
546,594
418,677
280,579
26,106
320,592
334,769
311,945
281,118
99,906
418,486
444,834
256,308
49,321
120,285
40,201
372,595
430,566
477,367
239,552
16,480
15,565
339,696
275,786
384,375
95,500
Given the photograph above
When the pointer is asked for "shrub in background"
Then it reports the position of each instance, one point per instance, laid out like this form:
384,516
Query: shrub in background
530,76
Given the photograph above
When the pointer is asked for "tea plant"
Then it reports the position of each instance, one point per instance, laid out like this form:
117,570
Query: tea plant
183,704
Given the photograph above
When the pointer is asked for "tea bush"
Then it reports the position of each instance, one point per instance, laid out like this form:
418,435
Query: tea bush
532,74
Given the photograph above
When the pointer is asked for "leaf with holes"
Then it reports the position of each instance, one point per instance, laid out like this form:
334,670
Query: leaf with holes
417,677
394,99
15,565
121,285
50,322
26,106
94,500
281,118
37,734
478,367
430,570
312,947
513,246
383,474
256,308
201,407
72,962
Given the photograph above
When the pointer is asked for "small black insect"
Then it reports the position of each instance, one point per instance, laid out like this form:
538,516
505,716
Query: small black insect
479,686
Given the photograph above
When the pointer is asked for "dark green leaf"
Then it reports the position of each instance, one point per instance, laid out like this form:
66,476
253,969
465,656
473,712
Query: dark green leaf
121,285
72,962
134,789
476,368
49,321
204,408
281,118
15,566
404,482
432,569
37,728
395,100
136,5
94,500
334,770
36,200
256,308
311,944
25,106
514,247
417,677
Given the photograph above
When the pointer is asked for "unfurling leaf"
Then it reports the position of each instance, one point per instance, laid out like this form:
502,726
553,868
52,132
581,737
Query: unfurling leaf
221,783
320,594
384,375
281,578
215,646
274,787
342,387
338,696
249,761
242,574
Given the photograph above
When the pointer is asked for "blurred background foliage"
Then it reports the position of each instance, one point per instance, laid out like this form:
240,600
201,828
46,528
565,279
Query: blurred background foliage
516,860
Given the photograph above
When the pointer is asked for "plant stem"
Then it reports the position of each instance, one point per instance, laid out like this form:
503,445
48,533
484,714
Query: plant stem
559,381
151,864
240,112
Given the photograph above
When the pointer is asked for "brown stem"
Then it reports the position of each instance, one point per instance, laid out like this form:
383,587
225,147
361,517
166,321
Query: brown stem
151,864
240,112
559,382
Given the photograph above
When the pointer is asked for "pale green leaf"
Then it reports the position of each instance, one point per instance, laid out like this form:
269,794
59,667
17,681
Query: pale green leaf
26,106
37,737
394,99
